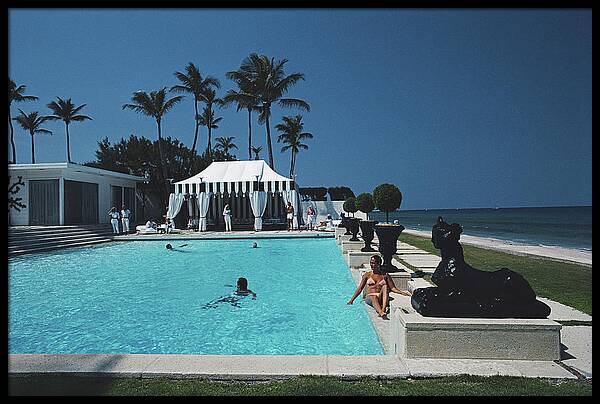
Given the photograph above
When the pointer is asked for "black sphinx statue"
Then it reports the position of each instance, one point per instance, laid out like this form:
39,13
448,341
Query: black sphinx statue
464,291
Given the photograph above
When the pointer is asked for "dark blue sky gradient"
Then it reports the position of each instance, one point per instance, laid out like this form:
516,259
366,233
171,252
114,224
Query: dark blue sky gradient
458,108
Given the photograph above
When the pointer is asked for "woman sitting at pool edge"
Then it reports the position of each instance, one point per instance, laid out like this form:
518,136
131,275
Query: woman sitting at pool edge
379,285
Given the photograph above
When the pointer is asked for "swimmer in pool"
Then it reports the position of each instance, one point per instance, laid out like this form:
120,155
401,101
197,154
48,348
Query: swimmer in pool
234,299
170,247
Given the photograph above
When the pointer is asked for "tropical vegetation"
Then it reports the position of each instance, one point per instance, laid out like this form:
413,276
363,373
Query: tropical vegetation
292,136
15,94
193,83
256,150
33,124
67,112
241,98
263,82
155,105
225,144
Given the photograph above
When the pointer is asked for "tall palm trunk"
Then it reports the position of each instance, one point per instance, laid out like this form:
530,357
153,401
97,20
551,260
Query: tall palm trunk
292,164
162,163
209,124
249,133
68,146
12,141
269,141
195,130
32,150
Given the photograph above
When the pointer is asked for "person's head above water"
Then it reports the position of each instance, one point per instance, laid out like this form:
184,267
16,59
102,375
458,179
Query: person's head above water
254,245
169,247
242,284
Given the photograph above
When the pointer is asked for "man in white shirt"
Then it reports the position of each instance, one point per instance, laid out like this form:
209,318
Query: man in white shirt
125,219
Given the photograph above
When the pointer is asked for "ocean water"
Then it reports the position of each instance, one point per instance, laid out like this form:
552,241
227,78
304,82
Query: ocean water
568,227
136,297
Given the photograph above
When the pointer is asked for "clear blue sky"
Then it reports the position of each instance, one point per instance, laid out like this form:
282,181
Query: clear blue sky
458,108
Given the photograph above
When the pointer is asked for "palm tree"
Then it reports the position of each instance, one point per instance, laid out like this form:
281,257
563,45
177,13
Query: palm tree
256,151
291,136
32,123
267,79
155,105
207,118
244,98
16,94
193,83
67,112
225,144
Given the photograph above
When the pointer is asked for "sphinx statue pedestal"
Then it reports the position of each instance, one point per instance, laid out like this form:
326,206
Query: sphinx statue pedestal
417,336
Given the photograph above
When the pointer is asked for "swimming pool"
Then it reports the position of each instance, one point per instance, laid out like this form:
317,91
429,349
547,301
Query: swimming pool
137,297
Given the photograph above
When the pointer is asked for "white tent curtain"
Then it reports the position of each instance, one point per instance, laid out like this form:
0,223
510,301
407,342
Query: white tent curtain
190,205
258,203
175,203
291,196
203,202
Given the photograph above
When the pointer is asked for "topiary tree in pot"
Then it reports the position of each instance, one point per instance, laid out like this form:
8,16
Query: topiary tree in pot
350,207
365,204
387,198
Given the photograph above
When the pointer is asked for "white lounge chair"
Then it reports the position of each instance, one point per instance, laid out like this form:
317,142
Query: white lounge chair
145,230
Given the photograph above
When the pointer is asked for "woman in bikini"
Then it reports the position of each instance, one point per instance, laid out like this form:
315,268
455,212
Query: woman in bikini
379,285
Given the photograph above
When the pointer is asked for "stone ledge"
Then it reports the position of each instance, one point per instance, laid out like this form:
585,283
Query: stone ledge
346,246
416,336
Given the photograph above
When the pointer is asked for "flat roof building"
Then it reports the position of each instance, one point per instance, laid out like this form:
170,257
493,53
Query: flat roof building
68,193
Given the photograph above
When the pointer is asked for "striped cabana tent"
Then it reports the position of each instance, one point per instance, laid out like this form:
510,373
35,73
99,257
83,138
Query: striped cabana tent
247,186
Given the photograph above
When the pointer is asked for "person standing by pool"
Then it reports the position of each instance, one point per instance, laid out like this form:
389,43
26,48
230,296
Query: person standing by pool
379,285
114,219
125,213
290,216
310,218
227,217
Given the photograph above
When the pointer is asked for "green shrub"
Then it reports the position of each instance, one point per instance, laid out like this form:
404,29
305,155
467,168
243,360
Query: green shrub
350,205
339,193
387,198
314,193
364,203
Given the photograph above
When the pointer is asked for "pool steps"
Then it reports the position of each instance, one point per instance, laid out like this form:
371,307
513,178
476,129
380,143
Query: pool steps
34,239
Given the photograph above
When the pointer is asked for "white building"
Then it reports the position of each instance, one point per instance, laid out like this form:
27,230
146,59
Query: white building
67,193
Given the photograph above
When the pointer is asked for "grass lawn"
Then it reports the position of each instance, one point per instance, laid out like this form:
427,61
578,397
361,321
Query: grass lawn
303,385
569,284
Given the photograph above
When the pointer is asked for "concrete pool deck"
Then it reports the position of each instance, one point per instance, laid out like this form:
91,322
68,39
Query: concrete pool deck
575,363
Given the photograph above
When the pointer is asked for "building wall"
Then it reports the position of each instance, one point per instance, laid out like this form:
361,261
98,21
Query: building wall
104,183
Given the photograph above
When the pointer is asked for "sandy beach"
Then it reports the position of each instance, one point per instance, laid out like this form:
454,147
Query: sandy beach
558,253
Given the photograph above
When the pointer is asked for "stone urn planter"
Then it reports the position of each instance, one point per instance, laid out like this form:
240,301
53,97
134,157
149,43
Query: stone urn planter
354,224
388,237
345,224
367,229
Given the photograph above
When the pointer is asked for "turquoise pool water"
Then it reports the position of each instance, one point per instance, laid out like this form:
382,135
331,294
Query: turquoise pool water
136,297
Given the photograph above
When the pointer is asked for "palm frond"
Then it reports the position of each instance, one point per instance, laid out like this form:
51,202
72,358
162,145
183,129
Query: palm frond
294,103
